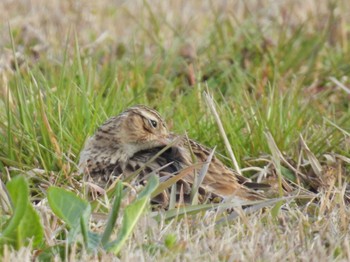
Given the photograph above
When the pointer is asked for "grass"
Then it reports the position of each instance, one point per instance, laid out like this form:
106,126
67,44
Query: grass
65,68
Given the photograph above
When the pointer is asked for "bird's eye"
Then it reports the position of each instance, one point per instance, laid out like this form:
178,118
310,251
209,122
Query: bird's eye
153,123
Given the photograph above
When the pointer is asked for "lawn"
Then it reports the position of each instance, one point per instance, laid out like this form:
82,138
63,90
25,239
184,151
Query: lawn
278,73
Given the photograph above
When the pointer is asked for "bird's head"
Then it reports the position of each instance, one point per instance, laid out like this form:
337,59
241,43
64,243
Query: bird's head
141,128
120,137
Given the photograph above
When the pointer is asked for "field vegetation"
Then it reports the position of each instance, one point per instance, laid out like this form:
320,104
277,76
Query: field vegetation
278,73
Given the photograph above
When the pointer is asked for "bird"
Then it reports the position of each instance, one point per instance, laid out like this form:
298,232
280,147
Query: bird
129,141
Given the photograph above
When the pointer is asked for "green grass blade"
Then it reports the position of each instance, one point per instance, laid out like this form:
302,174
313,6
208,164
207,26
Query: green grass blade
132,214
113,214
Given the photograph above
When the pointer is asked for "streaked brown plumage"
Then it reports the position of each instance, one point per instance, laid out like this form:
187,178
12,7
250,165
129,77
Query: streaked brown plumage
220,179
126,142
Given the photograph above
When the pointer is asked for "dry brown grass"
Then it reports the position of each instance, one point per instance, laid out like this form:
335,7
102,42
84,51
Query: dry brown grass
44,26
309,234
317,230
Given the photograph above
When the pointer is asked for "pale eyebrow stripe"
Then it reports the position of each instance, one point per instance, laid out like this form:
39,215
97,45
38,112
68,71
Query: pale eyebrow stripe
137,110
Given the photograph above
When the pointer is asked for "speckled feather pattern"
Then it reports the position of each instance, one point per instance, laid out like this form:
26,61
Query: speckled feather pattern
126,142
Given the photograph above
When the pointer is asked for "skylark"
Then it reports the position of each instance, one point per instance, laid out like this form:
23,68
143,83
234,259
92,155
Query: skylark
125,143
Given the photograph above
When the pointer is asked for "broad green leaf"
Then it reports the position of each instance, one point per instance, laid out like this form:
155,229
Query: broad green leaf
19,193
30,228
25,225
67,206
132,214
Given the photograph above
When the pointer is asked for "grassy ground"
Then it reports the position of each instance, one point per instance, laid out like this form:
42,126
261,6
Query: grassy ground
279,73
